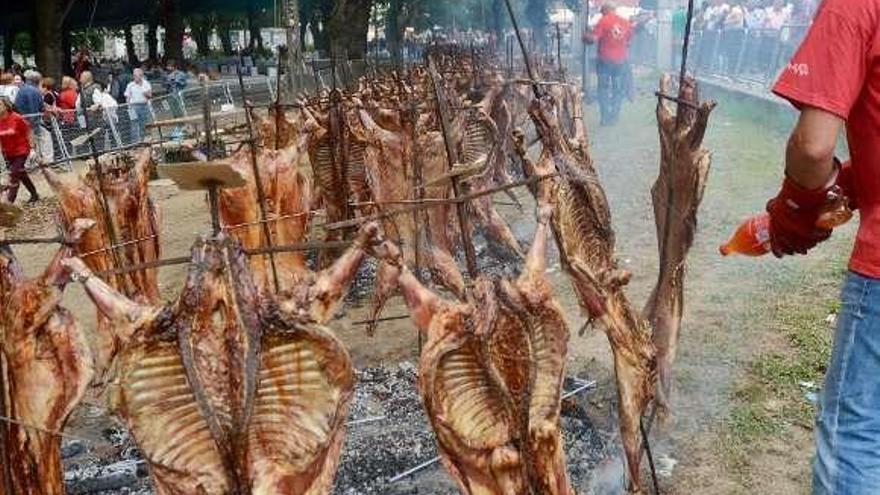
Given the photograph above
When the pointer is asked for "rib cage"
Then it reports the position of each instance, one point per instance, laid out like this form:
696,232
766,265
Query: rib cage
225,392
164,417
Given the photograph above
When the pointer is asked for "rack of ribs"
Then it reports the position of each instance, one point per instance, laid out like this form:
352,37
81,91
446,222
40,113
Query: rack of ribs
491,377
135,220
230,390
46,366
582,228
677,194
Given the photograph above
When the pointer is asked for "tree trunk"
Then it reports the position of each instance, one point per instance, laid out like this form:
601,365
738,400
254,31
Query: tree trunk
536,13
393,32
8,36
201,26
66,52
294,52
47,39
348,27
173,22
130,52
152,42
254,26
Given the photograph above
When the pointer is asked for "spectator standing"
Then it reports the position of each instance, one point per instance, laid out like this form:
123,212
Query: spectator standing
29,103
50,108
778,15
6,87
732,37
82,62
87,91
87,104
17,83
176,81
16,140
138,94
612,34
67,100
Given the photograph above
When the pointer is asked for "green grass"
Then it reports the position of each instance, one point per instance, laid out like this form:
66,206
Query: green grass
770,398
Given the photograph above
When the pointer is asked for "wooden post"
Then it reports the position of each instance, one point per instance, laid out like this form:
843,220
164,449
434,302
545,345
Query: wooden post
452,158
5,474
213,194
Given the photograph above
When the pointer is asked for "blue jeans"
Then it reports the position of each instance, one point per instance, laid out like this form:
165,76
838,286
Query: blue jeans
848,426
610,90
142,117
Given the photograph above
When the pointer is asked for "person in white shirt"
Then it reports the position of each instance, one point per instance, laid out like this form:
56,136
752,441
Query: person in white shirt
778,15
138,94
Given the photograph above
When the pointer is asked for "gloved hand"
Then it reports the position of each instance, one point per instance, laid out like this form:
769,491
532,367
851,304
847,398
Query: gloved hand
795,211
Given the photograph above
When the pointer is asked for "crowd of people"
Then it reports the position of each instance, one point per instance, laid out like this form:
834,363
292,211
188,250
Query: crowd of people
31,104
737,36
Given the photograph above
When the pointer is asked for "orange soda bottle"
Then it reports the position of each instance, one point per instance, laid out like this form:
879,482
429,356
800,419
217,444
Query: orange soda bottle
752,238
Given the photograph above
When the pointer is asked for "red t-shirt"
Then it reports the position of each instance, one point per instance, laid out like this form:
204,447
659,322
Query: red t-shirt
14,132
613,33
837,69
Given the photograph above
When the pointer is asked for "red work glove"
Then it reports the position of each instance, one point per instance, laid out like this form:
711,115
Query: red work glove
794,212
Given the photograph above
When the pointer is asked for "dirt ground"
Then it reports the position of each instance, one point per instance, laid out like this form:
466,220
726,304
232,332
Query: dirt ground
731,304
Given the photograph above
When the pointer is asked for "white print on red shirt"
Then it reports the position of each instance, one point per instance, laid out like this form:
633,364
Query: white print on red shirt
801,70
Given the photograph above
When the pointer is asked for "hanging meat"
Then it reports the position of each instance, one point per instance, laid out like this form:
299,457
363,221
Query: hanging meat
133,218
677,193
582,226
491,377
326,148
230,390
287,193
45,367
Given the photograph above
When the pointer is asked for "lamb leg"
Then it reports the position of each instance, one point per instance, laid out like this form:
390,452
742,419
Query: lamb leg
333,282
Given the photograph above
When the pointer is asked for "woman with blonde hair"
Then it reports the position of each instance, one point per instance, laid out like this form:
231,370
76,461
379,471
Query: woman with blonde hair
17,142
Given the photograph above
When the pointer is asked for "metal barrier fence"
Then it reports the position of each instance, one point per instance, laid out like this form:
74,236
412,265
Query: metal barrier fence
751,56
59,134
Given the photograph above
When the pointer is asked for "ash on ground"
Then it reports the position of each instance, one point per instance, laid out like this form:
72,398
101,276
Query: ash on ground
388,434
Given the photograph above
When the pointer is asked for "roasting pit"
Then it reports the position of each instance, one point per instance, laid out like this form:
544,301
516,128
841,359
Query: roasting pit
102,459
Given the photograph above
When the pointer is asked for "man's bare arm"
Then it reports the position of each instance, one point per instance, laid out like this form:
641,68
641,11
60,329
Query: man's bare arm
809,156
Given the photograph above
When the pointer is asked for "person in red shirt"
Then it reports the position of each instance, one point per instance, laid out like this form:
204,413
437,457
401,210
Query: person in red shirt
834,80
67,100
17,142
612,34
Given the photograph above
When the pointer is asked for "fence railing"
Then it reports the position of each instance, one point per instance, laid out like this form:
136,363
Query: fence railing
56,133
753,56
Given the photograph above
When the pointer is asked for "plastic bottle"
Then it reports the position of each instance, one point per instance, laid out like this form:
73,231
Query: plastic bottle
752,238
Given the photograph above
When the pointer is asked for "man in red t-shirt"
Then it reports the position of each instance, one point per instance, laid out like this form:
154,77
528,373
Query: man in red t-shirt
612,34
834,80
16,141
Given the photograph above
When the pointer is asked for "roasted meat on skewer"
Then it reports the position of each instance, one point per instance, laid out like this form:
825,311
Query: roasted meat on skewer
677,193
134,218
287,192
582,227
491,378
46,364
230,390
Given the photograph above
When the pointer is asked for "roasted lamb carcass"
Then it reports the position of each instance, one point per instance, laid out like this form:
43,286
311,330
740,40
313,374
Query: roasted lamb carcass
677,193
134,218
287,193
46,366
229,390
582,227
491,377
